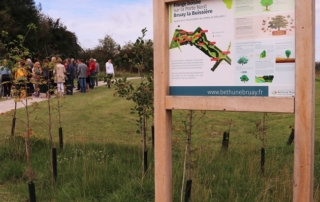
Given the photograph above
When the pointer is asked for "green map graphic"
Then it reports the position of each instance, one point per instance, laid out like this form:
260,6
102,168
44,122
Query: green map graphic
228,3
199,39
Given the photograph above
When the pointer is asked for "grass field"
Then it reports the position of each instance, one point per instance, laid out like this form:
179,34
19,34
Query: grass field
101,160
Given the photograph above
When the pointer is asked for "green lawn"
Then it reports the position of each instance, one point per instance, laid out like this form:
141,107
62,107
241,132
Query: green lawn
102,156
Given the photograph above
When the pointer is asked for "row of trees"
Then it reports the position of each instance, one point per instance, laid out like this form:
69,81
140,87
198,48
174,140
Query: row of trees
47,36
43,37
132,57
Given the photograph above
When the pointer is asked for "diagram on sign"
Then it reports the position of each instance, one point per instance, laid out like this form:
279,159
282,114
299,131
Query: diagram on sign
199,40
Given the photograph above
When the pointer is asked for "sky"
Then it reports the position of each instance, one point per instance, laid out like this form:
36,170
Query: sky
123,20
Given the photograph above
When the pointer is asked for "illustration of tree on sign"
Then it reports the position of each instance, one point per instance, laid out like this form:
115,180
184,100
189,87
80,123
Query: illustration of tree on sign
278,22
244,78
268,78
243,60
263,54
266,3
288,53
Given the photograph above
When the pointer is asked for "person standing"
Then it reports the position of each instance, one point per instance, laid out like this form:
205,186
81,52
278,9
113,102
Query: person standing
59,76
92,72
29,68
36,74
70,77
45,78
5,80
97,71
21,79
109,72
88,84
82,75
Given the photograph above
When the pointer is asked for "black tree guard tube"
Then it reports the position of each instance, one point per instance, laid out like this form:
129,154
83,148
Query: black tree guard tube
291,137
188,191
225,141
263,152
145,161
54,163
13,126
32,192
61,138
152,135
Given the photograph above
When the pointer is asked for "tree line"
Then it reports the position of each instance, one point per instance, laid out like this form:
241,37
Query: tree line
25,29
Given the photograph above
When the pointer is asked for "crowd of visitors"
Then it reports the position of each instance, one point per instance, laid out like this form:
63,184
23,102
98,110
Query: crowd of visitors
55,76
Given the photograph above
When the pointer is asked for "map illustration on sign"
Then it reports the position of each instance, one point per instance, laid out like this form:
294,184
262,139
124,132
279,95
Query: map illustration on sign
199,40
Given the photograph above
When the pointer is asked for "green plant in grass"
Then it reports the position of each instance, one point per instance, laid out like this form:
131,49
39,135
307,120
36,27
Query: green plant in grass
188,120
119,177
142,95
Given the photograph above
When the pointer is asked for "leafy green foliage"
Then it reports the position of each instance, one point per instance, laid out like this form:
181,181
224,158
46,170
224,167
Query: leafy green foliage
132,57
142,95
14,50
142,52
16,17
55,39
51,38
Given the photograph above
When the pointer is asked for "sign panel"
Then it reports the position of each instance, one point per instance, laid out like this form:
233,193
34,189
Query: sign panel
232,48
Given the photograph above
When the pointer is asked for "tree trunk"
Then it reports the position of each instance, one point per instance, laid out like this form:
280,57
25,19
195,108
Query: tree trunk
50,117
27,141
13,126
189,131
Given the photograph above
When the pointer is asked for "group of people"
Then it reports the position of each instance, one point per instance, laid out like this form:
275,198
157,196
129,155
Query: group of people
56,76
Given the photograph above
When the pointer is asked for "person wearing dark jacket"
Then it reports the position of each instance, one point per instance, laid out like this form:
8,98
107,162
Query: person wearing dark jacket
5,80
70,77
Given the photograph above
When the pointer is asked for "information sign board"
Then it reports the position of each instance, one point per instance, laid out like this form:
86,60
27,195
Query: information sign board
232,48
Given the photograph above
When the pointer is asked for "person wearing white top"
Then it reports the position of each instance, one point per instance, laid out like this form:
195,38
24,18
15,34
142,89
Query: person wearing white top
109,72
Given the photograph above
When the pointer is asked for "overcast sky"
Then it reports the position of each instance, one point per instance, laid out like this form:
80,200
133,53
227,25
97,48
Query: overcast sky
123,20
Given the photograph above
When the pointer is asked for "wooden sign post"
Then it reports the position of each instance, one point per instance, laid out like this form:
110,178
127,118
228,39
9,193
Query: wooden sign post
302,104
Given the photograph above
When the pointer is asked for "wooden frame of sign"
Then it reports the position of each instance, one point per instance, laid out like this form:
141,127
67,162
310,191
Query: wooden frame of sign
302,105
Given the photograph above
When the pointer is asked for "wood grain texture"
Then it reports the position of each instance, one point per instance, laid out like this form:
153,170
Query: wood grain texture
162,117
304,101
245,104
